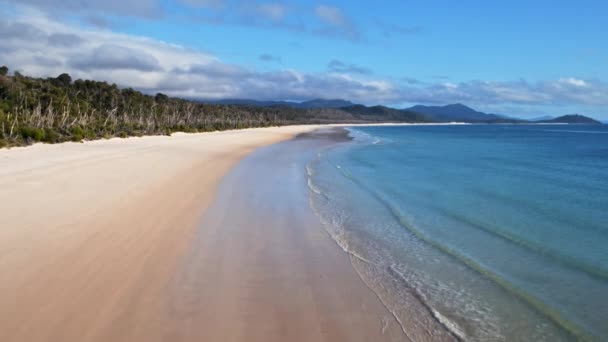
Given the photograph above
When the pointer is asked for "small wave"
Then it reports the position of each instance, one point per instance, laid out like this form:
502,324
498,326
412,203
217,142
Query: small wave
452,326
337,233
531,301
314,189
309,170
528,245
363,137
311,185
336,230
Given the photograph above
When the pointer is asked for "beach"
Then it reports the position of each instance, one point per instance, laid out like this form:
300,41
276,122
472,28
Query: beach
163,238
305,233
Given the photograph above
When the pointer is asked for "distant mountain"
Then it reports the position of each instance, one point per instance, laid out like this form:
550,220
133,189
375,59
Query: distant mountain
387,113
572,119
333,108
312,104
542,118
321,103
459,112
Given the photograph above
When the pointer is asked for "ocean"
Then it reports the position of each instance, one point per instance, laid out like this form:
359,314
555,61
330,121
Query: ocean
497,232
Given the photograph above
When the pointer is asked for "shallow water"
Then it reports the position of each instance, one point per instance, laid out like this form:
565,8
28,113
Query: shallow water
497,232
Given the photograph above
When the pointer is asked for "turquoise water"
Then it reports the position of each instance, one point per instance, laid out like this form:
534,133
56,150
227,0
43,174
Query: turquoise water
496,232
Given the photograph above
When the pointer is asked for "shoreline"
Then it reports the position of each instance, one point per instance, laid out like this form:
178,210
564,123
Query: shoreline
359,193
203,236
182,134
263,268
91,232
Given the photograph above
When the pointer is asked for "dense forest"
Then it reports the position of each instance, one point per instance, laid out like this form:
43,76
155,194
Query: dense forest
59,109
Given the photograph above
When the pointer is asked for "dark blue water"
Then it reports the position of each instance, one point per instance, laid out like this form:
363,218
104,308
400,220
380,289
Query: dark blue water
498,232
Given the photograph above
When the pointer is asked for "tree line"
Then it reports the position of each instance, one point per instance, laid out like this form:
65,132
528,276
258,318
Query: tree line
59,109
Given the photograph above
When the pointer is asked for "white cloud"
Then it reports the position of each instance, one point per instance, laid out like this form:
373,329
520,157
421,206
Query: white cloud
40,46
152,65
102,55
556,92
573,81
114,57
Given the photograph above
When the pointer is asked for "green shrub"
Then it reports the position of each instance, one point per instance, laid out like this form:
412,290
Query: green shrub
77,133
32,134
90,134
51,136
64,80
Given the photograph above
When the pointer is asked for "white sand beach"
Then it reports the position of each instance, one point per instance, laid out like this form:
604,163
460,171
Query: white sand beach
93,236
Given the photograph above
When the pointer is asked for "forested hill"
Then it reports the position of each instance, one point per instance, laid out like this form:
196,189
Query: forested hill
59,109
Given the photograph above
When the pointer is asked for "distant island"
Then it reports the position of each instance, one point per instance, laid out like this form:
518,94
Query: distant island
423,114
59,109
572,119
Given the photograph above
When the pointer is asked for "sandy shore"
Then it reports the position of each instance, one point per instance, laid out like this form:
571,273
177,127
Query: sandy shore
102,241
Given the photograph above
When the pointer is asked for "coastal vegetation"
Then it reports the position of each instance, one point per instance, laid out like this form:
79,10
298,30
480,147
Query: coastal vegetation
58,109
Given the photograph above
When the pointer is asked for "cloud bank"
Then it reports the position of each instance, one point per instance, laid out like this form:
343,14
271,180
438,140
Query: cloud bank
40,46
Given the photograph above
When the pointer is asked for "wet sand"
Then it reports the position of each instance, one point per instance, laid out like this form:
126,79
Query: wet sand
262,268
107,241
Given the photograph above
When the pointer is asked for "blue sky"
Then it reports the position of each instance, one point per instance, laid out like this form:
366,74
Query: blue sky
524,58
